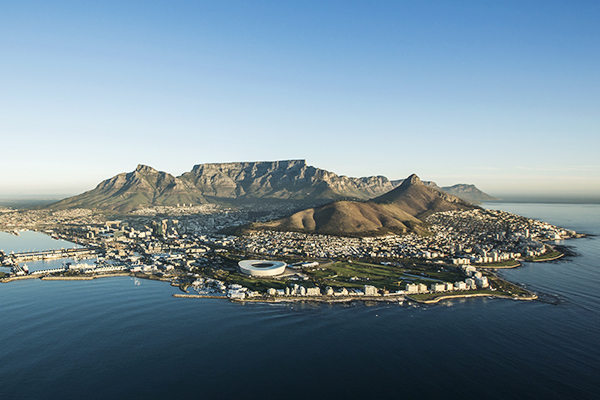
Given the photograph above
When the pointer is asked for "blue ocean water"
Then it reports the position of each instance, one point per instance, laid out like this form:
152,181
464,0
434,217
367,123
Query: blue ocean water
31,241
28,241
111,338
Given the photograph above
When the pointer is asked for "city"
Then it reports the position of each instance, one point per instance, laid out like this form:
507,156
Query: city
188,248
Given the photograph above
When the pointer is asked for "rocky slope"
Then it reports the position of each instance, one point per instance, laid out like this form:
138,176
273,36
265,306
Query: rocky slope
292,180
233,183
401,210
125,192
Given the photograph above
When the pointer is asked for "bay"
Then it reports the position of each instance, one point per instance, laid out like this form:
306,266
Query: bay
114,338
31,241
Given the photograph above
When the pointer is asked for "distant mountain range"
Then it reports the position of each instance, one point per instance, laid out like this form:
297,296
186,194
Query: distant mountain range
469,193
238,183
401,210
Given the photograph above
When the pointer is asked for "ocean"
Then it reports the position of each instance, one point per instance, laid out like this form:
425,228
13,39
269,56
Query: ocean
127,338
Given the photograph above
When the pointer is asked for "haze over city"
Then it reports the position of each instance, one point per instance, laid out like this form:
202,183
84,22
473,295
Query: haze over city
501,95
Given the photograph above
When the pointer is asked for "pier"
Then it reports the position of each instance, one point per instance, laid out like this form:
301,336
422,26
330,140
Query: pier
53,254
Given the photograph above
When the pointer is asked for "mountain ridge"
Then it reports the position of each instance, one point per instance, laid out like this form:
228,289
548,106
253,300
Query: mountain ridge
233,183
400,211
128,191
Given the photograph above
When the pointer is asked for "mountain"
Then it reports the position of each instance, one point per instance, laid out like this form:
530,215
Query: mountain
469,193
233,184
289,180
125,192
466,192
401,210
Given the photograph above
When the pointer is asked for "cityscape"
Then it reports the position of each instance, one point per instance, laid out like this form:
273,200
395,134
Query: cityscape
300,199
188,249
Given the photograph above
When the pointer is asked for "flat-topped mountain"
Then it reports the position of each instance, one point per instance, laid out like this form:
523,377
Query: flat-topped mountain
233,184
280,180
125,192
401,210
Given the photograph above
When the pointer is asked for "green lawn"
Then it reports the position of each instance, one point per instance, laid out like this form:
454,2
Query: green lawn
381,276
503,264
548,256
505,286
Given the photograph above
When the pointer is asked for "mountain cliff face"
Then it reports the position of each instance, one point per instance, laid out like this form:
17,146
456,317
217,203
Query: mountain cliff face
280,180
401,210
234,183
125,192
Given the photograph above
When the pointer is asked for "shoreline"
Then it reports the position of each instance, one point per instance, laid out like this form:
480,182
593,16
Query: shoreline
323,299
549,259
61,278
458,296
345,299
518,264
80,278
315,299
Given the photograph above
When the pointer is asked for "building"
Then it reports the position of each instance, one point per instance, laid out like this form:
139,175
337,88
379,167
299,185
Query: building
262,267
482,282
412,288
437,287
370,290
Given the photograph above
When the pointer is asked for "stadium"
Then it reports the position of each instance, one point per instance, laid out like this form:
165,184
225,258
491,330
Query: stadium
262,267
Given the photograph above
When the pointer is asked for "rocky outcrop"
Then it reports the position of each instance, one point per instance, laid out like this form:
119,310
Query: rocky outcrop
280,180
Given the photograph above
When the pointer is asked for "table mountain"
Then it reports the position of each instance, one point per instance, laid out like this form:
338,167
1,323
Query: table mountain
233,184
291,180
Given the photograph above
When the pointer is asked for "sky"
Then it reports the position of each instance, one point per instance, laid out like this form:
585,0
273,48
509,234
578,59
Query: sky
501,94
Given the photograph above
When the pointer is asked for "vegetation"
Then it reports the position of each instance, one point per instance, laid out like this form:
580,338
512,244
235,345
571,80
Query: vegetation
504,286
399,211
357,274
502,264
551,255
257,284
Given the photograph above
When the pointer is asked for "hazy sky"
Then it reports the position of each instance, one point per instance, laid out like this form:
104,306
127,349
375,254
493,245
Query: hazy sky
504,94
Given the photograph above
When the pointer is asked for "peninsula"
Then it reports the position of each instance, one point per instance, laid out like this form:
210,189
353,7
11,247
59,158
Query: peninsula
335,238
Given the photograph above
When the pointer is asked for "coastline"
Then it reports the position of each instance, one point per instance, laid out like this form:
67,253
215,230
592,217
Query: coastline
61,278
18,278
81,278
488,266
458,296
435,298
315,299
348,299
549,259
